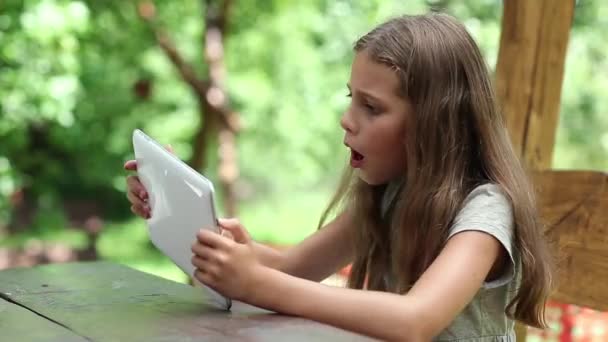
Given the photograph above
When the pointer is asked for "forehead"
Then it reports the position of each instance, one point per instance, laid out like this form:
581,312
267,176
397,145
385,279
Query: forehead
372,77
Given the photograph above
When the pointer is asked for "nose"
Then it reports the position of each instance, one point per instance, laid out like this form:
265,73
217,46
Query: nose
348,123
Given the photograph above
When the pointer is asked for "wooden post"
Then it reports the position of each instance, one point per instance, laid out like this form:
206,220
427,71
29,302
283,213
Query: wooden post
529,73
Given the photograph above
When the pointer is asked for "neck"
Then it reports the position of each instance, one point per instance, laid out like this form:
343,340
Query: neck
390,195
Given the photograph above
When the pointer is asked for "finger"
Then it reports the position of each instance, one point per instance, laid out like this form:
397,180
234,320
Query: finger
236,229
206,258
135,200
134,185
204,277
226,233
210,269
146,211
228,221
170,148
199,262
213,239
202,251
140,205
131,165
139,211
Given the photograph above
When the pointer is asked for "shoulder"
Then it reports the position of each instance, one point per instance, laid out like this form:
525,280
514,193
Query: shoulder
487,203
488,209
488,193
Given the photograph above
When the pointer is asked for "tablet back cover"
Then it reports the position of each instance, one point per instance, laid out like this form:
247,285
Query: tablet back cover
180,199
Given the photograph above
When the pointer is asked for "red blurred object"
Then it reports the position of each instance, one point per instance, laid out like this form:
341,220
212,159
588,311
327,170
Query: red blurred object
571,323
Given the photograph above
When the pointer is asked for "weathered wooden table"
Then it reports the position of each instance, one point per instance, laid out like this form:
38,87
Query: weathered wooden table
103,301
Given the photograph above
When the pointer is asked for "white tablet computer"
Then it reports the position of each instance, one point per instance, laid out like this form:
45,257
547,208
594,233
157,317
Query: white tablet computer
181,203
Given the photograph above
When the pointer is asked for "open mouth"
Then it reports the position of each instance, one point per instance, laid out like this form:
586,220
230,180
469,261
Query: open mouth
356,159
356,155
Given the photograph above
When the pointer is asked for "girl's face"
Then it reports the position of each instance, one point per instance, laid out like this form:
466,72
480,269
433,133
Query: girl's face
375,121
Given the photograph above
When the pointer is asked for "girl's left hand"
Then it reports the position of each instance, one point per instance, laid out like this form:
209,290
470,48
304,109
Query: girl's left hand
228,266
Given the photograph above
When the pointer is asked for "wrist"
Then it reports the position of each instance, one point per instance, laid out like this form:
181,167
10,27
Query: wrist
269,256
261,284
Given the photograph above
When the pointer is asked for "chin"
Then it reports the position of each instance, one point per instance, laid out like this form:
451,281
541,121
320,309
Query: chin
369,180
374,180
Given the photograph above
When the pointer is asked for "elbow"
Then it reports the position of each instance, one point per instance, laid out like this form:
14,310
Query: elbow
422,336
413,335
416,328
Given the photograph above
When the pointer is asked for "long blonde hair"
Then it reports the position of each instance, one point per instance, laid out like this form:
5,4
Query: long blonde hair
457,141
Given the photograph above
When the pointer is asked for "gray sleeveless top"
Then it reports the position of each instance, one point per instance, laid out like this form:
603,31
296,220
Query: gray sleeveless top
485,209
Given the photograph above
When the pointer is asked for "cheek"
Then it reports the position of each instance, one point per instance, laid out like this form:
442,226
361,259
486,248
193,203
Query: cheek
392,140
393,150
388,134
396,159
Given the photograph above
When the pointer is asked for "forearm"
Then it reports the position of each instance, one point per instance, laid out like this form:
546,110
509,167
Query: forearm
286,261
269,256
379,314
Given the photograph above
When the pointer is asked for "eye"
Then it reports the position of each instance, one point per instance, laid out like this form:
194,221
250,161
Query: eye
370,108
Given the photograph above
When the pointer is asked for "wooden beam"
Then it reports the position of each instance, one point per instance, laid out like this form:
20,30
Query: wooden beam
529,74
573,206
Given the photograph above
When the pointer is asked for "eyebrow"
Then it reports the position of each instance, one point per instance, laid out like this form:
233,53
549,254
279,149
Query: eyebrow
367,94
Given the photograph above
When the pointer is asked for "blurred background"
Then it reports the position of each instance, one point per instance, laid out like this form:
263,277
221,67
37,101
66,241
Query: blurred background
250,94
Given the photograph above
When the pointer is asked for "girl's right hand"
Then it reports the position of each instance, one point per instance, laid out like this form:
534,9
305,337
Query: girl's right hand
136,193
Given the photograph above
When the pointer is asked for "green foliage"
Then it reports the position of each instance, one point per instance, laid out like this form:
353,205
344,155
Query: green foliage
582,136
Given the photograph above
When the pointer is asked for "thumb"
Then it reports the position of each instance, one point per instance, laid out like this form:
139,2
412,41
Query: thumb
236,229
131,165
170,148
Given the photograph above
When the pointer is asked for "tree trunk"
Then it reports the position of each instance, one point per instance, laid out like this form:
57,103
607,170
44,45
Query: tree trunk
216,100
217,121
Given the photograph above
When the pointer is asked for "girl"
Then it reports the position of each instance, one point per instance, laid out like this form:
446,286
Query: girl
435,213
